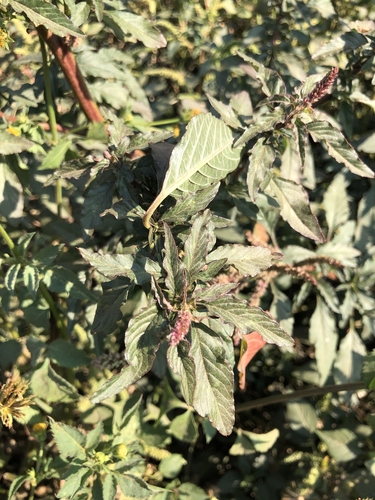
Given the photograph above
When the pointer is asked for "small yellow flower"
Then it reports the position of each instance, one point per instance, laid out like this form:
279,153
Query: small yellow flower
13,131
5,39
39,428
12,400
176,131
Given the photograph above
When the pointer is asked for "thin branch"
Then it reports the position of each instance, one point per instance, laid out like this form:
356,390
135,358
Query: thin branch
303,393
68,64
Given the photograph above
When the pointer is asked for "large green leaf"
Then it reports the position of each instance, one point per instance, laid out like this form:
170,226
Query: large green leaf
342,444
346,42
338,147
214,393
69,440
56,155
137,26
271,81
138,268
336,203
261,161
301,415
349,360
45,13
248,260
142,339
133,486
196,246
323,335
183,365
226,112
11,195
187,205
62,280
295,208
10,144
203,157
249,319
74,483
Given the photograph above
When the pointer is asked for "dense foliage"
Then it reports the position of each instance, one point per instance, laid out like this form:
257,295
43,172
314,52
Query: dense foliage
197,179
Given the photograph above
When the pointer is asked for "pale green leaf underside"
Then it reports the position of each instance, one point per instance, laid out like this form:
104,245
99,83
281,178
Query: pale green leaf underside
139,27
338,147
248,260
295,208
203,157
10,144
41,12
249,319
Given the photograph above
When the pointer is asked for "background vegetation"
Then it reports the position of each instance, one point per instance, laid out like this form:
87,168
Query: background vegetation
172,171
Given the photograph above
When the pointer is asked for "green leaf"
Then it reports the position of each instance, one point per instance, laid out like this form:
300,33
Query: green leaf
349,41
301,415
16,485
187,206
249,319
365,235
11,277
212,269
281,309
341,443
184,428
295,208
226,113
137,26
109,487
67,355
139,268
291,166
74,483
171,466
248,260
272,83
203,157
56,155
9,353
182,364
108,311
189,491
98,198
47,385
60,279
213,292
338,147
133,486
94,437
214,394
336,203
69,440
261,161
349,359
31,279
175,280
10,144
141,341
24,242
343,253
11,195
323,335
47,255
327,291
196,246
42,12
99,8
263,123
262,442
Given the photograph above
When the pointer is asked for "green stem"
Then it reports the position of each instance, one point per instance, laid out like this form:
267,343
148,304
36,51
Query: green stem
55,313
8,240
39,461
52,118
169,121
303,393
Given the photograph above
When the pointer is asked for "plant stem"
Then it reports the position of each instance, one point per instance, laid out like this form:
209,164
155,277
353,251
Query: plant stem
303,393
55,313
39,461
8,240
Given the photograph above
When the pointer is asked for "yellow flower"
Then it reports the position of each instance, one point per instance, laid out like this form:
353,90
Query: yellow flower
13,131
12,400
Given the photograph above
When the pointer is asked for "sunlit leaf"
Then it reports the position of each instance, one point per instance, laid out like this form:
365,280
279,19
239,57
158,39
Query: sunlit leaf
261,161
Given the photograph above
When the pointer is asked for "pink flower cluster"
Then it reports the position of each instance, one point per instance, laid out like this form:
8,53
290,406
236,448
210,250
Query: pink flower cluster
181,327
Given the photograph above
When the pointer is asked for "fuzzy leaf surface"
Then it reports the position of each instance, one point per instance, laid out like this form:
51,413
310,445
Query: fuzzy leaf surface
295,208
249,319
214,394
261,160
323,335
70,442
137,26
338,147
196,246
42,12
182,364
248,260
175,279
262,124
